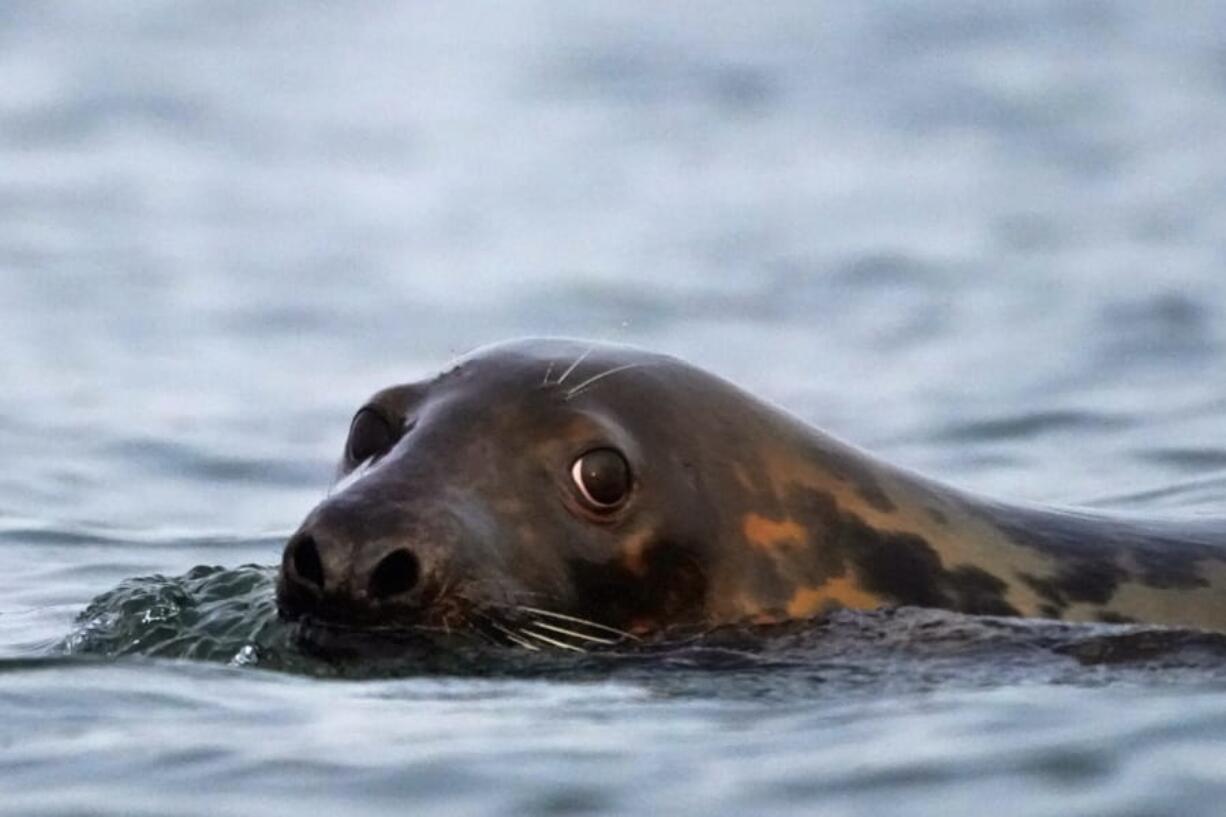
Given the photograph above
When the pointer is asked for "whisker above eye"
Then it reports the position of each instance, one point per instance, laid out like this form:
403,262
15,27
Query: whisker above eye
591,381
574,365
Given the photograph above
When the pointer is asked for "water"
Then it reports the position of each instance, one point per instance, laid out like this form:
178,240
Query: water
984,242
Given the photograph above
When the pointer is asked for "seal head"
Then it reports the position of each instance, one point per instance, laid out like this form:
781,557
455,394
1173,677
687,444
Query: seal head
520,478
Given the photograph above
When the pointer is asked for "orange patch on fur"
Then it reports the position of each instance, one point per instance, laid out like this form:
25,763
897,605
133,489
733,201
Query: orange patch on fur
767,534
745,609
840,592
632,553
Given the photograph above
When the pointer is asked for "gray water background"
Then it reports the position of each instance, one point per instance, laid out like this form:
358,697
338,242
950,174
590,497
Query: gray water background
986,241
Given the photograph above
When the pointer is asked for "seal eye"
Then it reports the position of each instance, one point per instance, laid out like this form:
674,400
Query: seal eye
370,435
603,478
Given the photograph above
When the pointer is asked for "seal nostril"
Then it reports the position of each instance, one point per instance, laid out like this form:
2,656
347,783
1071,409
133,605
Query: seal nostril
307,564
396,574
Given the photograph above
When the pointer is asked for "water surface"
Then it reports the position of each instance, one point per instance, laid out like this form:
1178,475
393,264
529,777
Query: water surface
984,242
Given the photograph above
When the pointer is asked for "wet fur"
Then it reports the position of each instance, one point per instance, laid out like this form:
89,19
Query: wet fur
741,512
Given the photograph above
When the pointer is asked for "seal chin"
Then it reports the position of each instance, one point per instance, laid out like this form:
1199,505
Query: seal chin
346,641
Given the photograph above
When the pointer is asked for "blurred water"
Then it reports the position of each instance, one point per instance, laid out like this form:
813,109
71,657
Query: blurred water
985,241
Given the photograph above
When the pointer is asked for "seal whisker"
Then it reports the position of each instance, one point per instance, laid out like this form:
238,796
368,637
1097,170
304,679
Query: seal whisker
591,381
487,638
563,631
484,616
540,594
549,371
514,638
480,620
576,620
445,588
553,641
574,365
472,625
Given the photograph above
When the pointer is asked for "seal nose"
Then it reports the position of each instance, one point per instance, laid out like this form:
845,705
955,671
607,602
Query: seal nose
395,575
332,576
305,563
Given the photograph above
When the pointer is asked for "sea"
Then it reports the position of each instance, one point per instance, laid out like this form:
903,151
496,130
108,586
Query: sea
985,241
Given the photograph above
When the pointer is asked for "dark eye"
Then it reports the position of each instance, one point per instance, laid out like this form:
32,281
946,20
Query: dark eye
370,435
603,478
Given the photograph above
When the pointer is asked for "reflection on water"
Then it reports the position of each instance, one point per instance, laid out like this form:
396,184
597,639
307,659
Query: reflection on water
984,241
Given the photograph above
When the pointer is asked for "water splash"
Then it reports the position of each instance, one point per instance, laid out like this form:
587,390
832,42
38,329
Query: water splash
229,616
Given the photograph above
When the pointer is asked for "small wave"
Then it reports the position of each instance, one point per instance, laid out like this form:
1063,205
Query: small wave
1191,460
173,457
1028,425
60,532
1198,493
